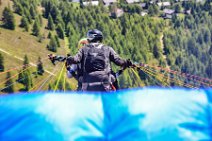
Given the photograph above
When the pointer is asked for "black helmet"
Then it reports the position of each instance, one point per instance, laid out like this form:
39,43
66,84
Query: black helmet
94,35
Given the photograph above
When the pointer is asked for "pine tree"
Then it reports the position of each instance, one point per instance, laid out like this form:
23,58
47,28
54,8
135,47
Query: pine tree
40,19
26,62
54,13
210,50
8,19
49,35
50,24
81,4
207,5
40,69
1,63
178,8
32,12
52,46
27,14
60,31
209,69
20,77
9,84
24,23
18,8
27,82
60,85
50,87
47,6
36,28
25,77
156,51
153,10
57,40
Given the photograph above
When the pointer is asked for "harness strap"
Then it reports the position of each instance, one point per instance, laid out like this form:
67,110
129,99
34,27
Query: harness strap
93,83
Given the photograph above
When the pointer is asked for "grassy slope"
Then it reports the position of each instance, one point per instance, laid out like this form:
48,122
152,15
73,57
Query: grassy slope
18,43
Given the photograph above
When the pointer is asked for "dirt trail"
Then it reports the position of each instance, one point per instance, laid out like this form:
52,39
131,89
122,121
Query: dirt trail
162,47
33,64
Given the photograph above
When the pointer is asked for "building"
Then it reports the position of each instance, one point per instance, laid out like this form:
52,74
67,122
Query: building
153,1
200,1
188,12
108,2
168,13
132,1
117,13
164,4
93,3
75,1
185,0
143,5
143,13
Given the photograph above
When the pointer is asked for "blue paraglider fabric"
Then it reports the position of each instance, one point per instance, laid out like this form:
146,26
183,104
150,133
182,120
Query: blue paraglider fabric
149,114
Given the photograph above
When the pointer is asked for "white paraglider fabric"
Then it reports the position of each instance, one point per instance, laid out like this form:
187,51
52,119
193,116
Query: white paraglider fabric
148,114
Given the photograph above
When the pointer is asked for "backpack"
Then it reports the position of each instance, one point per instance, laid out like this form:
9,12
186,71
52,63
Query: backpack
96,58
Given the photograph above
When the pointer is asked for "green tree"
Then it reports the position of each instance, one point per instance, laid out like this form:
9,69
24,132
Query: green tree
60,31
49,35
60,84
178,8
27,81
192,47
54,13
22,74
1,63
27,14
26,62
18,8
20,77
207,35
40,69
47,8
153,10
207,5
50,24
32,12
50,87
40,18
210,50
9,88
8,19
81,4
52,46
57,40
209,69
36,28
26,76
24,23
156,51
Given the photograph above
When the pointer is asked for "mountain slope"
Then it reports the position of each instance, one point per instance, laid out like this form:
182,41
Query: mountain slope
14,45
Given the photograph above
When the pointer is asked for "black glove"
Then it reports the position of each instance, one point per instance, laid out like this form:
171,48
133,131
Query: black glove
129,63
52,58
67,62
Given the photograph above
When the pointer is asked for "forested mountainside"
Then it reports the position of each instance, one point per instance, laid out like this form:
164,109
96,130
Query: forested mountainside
176,35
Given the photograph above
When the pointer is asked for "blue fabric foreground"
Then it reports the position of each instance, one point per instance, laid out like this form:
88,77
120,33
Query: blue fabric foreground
148,114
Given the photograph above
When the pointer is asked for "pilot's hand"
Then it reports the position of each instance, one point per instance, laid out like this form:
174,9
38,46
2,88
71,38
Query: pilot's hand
129,63
52,58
